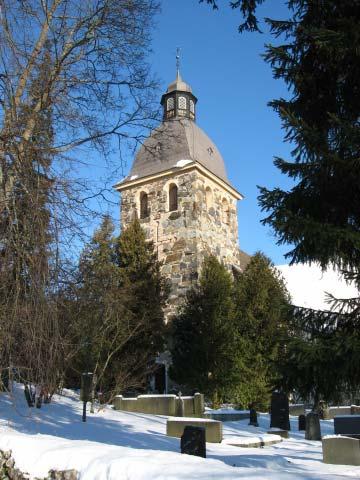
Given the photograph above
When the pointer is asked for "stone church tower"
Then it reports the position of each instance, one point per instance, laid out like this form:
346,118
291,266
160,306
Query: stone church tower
179,190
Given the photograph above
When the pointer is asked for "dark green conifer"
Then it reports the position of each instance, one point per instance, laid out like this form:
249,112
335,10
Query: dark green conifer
119,309
261,312
146,293
204,351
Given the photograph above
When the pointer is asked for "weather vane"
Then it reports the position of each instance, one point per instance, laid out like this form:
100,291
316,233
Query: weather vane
178,50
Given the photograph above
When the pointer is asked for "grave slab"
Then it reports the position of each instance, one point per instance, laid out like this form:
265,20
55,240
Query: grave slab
341,450
213,429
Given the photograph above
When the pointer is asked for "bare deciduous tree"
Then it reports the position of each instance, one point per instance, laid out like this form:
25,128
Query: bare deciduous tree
72,73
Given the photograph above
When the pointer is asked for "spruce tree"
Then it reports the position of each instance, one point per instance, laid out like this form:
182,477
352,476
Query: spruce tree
261,311
97,310
204,351
318,59
146,294
118,309
320,64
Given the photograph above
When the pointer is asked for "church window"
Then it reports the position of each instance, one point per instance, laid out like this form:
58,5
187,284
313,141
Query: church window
173,197
225,212
209,198
182,103
144,205
170,104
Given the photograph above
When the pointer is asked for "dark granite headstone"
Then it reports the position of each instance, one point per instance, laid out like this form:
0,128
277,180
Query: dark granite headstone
302,422
279,411
193,441
347,425
253,417
313,431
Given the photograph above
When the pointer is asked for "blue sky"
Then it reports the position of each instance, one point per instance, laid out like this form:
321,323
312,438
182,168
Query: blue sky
233,85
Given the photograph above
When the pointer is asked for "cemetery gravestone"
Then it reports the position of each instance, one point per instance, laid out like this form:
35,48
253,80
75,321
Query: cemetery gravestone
193,441
181,406
279,411
313,431
324,411
355,410
302,422
347,425
253,416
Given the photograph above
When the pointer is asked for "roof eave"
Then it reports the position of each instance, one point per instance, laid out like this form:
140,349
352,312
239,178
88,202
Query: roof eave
125,184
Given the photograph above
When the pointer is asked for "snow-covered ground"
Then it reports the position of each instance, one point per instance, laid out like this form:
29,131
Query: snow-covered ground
117,446
308,285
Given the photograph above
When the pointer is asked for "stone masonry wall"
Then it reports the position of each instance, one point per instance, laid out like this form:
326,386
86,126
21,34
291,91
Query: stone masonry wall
204,223
8,470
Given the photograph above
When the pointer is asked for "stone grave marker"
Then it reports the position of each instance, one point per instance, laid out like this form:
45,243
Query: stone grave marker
355,410
347,425
313,431
324,411
302,422
253,416
279,412
180,411
193,441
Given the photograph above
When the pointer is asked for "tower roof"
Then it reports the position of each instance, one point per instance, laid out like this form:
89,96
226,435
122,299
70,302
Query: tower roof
178,85
176,143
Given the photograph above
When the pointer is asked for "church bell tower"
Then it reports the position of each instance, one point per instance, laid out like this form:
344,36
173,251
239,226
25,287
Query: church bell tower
179,190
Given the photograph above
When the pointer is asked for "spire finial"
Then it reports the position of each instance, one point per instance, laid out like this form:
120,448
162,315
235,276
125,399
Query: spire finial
178,50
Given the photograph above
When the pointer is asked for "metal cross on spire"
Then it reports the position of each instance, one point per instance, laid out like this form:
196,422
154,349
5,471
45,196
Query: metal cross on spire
178,50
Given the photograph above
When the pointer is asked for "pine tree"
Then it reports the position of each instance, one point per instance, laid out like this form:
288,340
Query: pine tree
204,351
261,311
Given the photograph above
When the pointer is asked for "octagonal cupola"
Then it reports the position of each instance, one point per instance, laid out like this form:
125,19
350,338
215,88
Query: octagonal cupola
178,101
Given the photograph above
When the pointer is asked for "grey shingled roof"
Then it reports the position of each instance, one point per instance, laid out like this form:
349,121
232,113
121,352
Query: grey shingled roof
175,140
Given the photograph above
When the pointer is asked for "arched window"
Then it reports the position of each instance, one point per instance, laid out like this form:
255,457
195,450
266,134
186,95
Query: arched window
182,103
225,212
144,205
173,197
170,104
209,198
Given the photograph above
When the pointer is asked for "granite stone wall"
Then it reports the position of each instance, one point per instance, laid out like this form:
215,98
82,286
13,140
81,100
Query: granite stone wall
204,223
8,470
